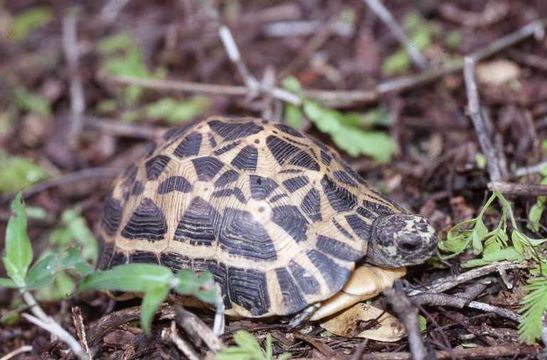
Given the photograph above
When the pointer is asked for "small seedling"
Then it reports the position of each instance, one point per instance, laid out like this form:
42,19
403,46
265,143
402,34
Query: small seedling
248,348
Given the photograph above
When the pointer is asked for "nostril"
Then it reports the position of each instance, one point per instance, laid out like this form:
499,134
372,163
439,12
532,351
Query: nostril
410,245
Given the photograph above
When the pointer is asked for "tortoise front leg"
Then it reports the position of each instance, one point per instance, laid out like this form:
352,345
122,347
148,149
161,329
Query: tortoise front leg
366,282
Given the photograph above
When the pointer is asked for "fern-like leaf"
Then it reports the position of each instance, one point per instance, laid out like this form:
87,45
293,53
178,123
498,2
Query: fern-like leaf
533,307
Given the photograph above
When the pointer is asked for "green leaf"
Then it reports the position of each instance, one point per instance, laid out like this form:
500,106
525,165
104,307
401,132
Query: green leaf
422,323
151,302
130,277
533,308
62,288
458,238
176,111
292,84
355,141
508,253
30,102
18,249
536,212
7,283
201,285
294,116
26,22
477,235
396,63
18,173
74,229
43,272
50,265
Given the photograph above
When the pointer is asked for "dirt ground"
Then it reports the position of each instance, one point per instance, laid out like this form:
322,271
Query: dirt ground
66,105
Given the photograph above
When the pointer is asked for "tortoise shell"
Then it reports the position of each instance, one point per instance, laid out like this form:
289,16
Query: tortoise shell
276,216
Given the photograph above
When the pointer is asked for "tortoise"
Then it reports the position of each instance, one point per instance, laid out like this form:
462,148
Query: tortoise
278,217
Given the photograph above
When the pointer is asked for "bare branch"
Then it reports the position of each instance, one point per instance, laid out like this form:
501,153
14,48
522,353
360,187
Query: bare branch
518,189
77,100
14,353
383,13
476,113
408,314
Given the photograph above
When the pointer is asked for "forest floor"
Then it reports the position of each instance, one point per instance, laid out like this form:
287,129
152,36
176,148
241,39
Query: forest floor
85,85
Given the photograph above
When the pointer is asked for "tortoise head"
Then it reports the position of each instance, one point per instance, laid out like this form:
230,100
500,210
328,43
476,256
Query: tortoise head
401,239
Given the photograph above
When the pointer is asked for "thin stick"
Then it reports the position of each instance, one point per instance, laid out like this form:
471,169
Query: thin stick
22,349
234,55
448,283
529,170
172,334
80,329
476,113
112,127
76,176
532,190
111,9
485,352
383,13
77,100
407,313
461,302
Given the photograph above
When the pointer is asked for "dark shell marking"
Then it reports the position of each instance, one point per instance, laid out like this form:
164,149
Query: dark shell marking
251,203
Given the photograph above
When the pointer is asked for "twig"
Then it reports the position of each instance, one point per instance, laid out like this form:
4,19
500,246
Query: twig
338,98
408,314
111,9
47,323
219,321
22,349
383,13
234,55
461,302
115,128
518,189
80,329
195,327
448,283
476,113
77,100
89,173
529,170
485,352
173,335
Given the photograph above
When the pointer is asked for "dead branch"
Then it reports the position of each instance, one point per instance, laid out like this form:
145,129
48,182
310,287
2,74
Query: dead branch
77,99
115,128
14,353
529,170
485,352
383,13
477,116
85,174
80,329
196,329
507,188
408,314
172,334
460,303
448,283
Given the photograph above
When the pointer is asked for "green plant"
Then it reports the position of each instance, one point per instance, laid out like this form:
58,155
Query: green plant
248,348
497,243
345,129
421,33
492,244
536,211
24,23
17,261
154,282
533,308
18,173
